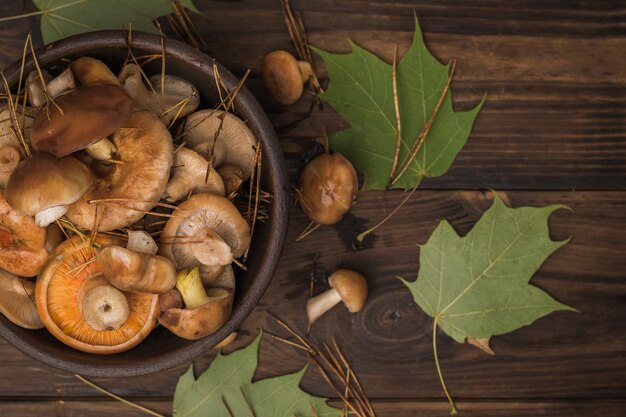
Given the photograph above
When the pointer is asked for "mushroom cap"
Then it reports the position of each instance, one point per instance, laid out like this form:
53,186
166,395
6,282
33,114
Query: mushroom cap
282,77
352,288
145,149
17,301
59,298
235,144
91,71
100,110
22,243
136,272
193,324
189,175
201,212
43,181
176,90
327,188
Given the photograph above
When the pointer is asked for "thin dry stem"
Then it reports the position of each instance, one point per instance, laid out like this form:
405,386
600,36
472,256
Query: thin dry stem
307,231
396,105
406,163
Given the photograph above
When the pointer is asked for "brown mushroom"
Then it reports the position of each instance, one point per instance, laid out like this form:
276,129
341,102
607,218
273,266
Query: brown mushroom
169,99
11,140
22,242
100,109
91,71
71,288
347,286
141,241
17,301
327,188
222,137
133,186
285,76
191,173
206,229
205,311
136,272
232,176
44,186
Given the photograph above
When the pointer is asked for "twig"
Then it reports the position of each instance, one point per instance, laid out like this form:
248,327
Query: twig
117,397
396,105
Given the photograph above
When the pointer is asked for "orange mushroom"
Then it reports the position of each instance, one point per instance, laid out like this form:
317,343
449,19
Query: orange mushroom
71,292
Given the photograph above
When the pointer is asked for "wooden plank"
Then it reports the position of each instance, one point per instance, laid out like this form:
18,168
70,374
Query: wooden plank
105,408
562,356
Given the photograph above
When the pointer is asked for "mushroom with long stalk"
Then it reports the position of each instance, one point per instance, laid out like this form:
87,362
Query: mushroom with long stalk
347,286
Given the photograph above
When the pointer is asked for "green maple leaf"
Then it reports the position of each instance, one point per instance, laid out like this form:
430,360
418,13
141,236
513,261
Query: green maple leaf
63,18
361,91
229,377
477,286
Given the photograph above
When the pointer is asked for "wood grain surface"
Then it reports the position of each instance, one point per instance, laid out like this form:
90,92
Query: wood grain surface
553,130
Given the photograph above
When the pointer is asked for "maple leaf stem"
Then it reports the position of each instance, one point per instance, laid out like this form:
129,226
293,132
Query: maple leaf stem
453,410
117,397
41,12
396,105
362,236
406,163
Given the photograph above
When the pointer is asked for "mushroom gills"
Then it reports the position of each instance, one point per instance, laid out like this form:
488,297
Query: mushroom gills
17,301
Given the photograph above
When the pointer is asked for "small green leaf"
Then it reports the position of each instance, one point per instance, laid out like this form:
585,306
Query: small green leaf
478,286
361,91
228,383
63,18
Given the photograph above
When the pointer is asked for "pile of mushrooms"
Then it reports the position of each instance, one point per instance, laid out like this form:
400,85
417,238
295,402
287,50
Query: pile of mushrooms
84,171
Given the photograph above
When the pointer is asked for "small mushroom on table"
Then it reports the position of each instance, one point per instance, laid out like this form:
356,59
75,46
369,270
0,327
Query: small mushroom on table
347,286
44,186
17,301
205,309
81,309
285,76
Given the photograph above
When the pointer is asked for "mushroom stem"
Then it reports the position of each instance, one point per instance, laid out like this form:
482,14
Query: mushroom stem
305,70
321,303
190,286
50,215
102,150
104,307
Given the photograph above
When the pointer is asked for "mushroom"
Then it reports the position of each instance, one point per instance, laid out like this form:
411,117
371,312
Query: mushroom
179,97
327,188
285,76
191,173
133,186
232,176
91,71
54,86
223,137
10,139
9,159
347,286
17,301
141,241
81,309
135,271
22,243
99,109
206,229
205,311
44,186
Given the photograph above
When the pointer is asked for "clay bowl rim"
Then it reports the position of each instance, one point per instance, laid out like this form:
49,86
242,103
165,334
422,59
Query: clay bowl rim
275,178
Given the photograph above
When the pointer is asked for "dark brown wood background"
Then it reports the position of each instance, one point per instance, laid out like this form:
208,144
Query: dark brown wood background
553,130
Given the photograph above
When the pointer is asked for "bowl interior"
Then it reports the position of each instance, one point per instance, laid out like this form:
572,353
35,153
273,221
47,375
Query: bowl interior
161,349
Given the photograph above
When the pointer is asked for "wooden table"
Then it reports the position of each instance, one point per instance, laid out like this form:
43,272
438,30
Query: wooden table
553,130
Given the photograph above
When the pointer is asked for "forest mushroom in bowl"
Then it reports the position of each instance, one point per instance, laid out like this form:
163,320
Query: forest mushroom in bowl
160,349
